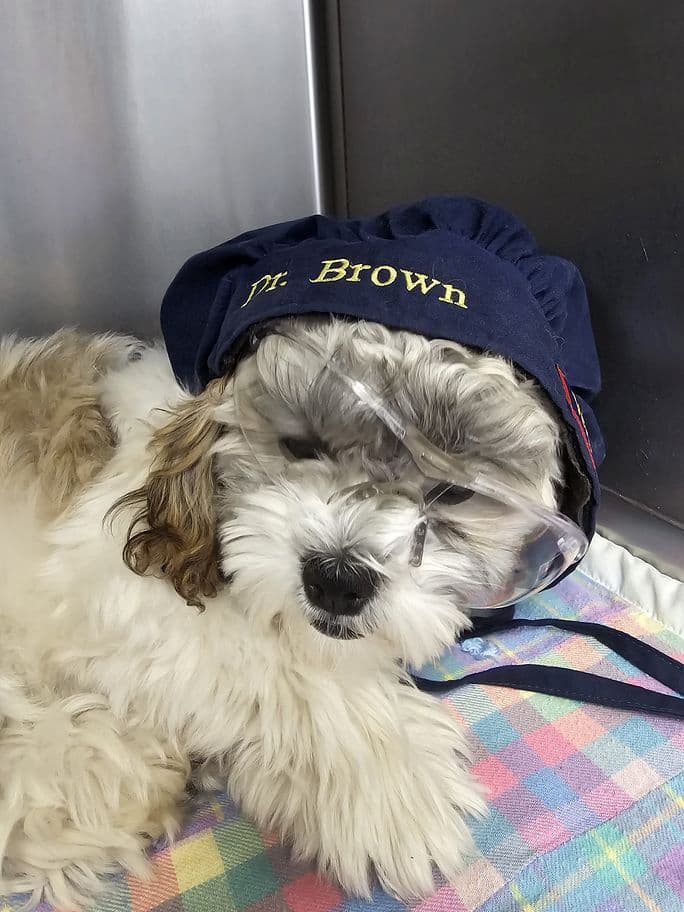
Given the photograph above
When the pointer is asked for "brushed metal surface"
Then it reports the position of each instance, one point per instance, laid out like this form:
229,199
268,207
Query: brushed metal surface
136,132
643,532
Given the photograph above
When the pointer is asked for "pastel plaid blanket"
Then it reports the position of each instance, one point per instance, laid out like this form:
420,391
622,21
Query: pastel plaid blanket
587,803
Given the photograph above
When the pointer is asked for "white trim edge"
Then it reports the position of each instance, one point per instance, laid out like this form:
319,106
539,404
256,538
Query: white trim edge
635,580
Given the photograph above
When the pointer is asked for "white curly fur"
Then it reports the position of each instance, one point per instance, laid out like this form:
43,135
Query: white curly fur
111,686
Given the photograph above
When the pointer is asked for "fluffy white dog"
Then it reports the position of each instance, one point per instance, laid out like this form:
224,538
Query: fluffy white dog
173,605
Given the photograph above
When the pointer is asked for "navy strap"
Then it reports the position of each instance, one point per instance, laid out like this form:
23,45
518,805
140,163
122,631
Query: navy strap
581,685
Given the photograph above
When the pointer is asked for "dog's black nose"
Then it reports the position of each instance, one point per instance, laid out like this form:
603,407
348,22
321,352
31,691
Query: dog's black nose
338,585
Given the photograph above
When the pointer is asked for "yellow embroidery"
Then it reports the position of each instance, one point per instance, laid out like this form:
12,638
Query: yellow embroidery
341,269
265,283
391,275
418,280
448,291
338,272
356,272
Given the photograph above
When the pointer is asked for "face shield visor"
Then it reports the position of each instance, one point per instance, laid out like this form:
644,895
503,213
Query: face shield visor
436,483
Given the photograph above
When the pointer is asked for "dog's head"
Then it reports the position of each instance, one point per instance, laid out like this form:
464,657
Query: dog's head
263,507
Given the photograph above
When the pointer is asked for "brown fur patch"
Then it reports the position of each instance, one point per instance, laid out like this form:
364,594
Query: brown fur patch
53,434
176,507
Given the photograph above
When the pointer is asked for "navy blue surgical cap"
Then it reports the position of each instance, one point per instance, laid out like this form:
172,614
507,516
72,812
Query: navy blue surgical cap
448,267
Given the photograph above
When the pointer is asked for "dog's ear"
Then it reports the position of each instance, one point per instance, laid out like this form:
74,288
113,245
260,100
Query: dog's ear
173,532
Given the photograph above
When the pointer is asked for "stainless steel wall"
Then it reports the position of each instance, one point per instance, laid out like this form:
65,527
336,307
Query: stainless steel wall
136,132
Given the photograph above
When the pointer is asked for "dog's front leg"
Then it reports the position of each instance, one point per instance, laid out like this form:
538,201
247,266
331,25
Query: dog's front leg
363,781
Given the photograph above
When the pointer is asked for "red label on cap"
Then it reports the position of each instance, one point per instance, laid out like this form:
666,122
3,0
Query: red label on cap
576,413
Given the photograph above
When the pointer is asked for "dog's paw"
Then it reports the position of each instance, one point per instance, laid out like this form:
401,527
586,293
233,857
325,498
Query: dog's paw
374,787
82,794
404,814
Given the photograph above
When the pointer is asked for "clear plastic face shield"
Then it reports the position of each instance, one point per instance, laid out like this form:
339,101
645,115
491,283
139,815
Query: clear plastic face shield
438,484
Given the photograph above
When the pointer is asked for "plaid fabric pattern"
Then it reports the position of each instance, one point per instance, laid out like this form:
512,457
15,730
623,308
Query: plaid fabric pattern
587,802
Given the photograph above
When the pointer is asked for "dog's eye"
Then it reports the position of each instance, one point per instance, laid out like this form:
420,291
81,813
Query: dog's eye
447,494
298,448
